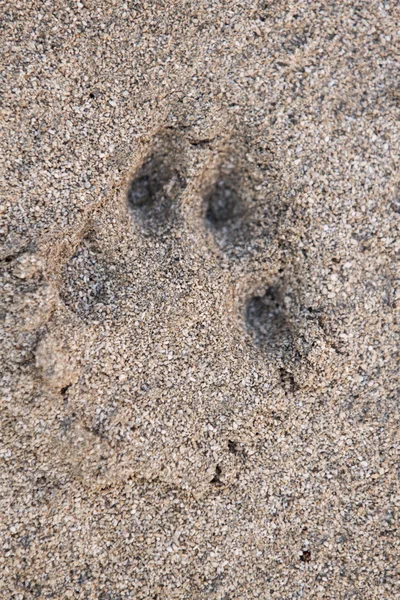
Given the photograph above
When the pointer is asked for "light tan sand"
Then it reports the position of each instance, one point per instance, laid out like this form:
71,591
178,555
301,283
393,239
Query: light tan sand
199,292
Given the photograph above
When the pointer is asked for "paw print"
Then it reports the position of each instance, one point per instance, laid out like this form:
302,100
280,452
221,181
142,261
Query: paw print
87,280
268,322
192,313
154,191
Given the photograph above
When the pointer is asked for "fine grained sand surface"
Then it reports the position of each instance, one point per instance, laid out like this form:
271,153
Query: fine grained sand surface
200,228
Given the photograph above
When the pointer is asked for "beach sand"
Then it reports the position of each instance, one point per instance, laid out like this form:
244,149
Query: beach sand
200,296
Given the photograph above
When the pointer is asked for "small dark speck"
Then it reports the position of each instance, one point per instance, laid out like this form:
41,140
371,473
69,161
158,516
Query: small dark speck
232,446
305,556
216,480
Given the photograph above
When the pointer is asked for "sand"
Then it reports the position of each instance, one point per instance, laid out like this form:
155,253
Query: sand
199,297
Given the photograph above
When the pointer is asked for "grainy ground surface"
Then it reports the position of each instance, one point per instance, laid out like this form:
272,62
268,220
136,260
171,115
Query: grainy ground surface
200,219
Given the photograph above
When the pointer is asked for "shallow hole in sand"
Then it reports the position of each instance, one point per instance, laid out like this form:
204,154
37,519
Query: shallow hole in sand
267,321
153,192
223,202
148,184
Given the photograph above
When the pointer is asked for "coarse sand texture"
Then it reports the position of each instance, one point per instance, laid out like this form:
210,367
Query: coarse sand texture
200,210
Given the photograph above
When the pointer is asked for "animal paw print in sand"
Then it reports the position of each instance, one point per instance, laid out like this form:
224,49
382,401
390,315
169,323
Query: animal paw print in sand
268,322
85,278
154,190
242,204
195,341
